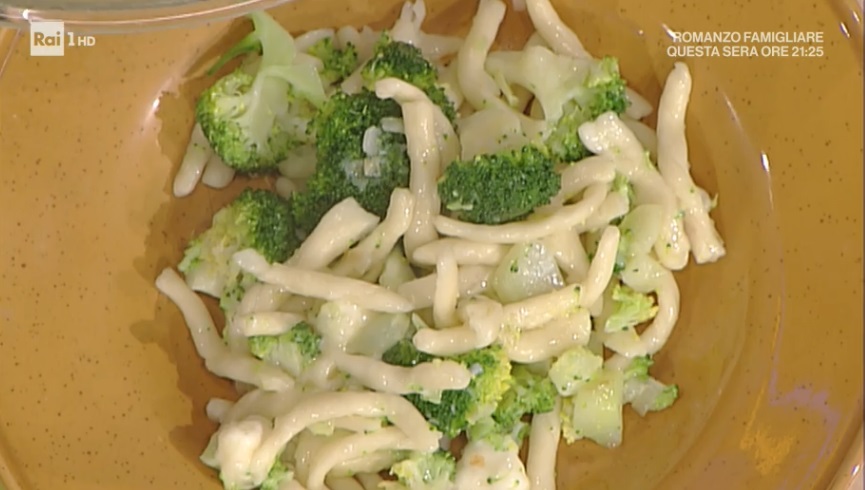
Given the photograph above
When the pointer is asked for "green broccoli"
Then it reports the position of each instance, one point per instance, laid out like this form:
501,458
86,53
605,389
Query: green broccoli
346,168
499,188
638,369
644,392
500,437
595,410
630,308
253,120
293,351
396,59
603,91
623,248
528,393
573,369
338,63
257,219
570,91
279,474
426,471
459,408
649,395
251,43
622,185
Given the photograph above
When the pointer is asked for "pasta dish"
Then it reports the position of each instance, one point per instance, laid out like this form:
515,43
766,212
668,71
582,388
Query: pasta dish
464,252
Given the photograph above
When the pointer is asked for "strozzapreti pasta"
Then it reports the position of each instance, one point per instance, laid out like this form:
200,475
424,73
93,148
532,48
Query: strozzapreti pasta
461,242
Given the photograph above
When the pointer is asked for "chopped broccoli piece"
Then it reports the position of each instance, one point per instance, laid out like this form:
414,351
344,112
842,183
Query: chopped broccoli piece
639,368
253,120
649,395
570,91
279,474
257,219
595,411
642,391
459,408
528,393
338,63
396,59
623,248
622,185
603,91
573,369
665,398
499,188
528,269
293,351
405,354
251,43
426,471
344,168
630,308
500,437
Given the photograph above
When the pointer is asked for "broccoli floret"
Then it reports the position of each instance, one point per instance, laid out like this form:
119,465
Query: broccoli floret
573,369
595,410
253,120
405,354
426,471
623,186
500,437
498,188
251,43
338,63
570,91
257,219
623,248
344,168
396,59
458,409
630,308
279,474
644,392
649,395
528,393
666,398
293,351
638,369
603,91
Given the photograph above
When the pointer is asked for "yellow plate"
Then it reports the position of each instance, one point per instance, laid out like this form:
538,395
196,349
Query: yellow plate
100,386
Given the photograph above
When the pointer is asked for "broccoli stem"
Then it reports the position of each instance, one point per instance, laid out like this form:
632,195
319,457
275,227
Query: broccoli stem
249,44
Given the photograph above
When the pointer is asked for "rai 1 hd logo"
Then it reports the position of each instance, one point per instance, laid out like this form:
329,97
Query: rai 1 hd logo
50,38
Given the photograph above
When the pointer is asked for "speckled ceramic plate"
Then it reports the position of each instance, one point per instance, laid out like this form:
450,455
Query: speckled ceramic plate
100,387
